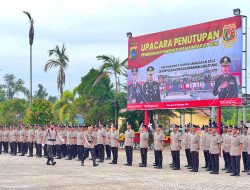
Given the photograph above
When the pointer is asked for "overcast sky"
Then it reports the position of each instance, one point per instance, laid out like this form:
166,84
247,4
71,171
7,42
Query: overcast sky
89,28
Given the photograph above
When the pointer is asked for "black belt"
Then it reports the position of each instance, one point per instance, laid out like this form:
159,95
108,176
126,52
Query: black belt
90,141
51,139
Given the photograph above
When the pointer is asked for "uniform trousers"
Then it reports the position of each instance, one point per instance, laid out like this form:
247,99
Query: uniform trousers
23,148
207,158
101,152
19,147
58,150
224,157
214,162
6,147
39,150
1,145
115,154
228,161
195,160
144,152
176,159
188,156
235,161
108,151
86,152
30,146
248,161
129,154
69,151
245,163
158,154
64,150
96,148
45,150
80,150
50,149
14,147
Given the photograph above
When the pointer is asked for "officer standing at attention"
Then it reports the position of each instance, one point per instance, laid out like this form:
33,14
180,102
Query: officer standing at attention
215,150
96,145
101,138
114,143
89,142
235,151
135,94
68,143
194,149
31,136
244,148
23,140
58,142
223,145
151,89
129,144
225,84
175,146
226,148
205,146
14,140
50,135
107,143
185,145
39,140
159,138
143,145
80,142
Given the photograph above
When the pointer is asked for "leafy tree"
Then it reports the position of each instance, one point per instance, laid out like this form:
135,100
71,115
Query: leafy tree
40,112
13,86
12,111
112,67
60,61
2,94
52,99
41,93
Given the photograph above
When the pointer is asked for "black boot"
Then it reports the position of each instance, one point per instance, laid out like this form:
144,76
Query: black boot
48,161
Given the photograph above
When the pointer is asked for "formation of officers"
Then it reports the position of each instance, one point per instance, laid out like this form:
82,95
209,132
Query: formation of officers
75,142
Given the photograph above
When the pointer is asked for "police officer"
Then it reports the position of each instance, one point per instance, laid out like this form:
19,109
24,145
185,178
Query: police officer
39,141
14,140
58,142
80,142
205,146
225,85
222,143
114,143
143,145
1,139
50,135
45,149
64,136
31,136
175,146
215,150
101,138
96,148
89,144
185,145
151,89
135,94
226,148
159,138
69,143
23,140
6,140
235,151
244,148
129,144
194,149
107,143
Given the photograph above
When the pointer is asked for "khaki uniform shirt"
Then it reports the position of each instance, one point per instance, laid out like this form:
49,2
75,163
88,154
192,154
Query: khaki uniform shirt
31,135
45,137
69,136
244,142
205,142
194,142
101,134
175,139
227,142
95,134
114,137
158,138
36,135
143,139
6,135
215,140
80,138
235,145
185,138
51,136
64,136
91,138
58,138
40,135
74,138
129,135
107,142
14,135
248,144
23,135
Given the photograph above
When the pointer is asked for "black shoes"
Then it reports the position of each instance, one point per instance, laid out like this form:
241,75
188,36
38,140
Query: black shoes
214,172
158,167
235,175
94,165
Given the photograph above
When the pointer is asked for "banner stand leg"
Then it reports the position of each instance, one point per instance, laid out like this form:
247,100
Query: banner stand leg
219,119
146,118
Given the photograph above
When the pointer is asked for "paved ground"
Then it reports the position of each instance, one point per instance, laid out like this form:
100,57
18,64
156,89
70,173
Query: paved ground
32,174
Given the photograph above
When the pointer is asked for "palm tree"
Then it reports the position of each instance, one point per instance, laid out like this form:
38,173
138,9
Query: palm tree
112,66
60,61
13,86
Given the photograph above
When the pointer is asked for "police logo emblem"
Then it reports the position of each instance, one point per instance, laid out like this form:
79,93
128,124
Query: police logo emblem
133,52
228,35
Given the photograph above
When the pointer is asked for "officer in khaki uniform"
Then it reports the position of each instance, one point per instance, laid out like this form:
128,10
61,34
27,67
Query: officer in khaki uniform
107,143
64,136
175,146
222,145
80,142
23,140
143,145
194,149
31,136
215,150
244,148
114,143
159,138
248,151
96,148
185,145
205,142
129,144
235,151
226,148
101,138
58,142
39,141
89,144
1,139
6,140
69,143
14,139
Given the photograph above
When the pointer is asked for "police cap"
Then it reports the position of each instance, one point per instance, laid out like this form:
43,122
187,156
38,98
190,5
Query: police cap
225,61
150,70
